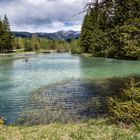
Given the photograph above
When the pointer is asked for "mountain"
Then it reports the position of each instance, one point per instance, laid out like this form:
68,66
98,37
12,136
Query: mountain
60,35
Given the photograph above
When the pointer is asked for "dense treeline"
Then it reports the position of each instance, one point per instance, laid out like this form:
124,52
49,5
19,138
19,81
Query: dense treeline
8,43
5,36
111,28
40,44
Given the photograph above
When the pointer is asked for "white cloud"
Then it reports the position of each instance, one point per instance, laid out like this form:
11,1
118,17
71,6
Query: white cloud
42,15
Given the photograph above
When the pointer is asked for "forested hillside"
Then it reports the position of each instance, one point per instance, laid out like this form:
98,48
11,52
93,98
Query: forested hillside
9,42
39,42
111,28
59,35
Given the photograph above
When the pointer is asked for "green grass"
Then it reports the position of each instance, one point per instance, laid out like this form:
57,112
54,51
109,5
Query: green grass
97,129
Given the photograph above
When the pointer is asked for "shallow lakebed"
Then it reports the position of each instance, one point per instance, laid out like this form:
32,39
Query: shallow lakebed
21,75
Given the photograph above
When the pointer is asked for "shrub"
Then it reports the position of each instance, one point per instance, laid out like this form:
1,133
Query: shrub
75,47
126,108
1,121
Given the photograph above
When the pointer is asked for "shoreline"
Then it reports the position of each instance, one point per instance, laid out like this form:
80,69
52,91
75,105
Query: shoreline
91,55
31,52
55,51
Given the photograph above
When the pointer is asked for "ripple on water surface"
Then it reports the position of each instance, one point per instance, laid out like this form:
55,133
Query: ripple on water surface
18,77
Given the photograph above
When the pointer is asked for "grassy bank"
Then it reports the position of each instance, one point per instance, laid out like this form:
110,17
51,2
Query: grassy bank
91,130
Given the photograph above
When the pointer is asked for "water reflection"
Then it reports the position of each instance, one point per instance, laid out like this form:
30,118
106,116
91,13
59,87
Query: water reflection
96,68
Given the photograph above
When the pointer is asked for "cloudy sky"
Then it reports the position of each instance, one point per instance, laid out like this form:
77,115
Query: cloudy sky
42,15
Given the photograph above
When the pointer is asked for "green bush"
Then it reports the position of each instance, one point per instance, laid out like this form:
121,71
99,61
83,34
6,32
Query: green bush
1,121
75,47
126,108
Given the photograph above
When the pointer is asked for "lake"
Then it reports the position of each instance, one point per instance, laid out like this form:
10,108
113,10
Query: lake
21,74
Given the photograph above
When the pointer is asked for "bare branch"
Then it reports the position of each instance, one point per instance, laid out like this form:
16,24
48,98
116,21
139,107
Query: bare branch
92,4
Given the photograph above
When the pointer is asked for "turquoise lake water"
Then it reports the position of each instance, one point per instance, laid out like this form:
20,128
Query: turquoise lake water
22,74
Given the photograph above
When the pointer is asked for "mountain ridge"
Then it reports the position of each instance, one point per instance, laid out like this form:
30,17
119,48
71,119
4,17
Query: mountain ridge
59,35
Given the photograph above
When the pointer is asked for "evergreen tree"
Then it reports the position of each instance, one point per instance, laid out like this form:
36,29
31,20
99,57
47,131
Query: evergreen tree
1,34
86,34
35,42
111,29
7,35
98,23
27,45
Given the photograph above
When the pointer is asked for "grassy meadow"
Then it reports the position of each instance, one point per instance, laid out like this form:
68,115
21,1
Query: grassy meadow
96,129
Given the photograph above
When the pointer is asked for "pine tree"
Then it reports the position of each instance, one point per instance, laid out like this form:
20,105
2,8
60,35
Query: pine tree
27,45
1,33
86,34
125,19
98,21
35,42
6,36
111,29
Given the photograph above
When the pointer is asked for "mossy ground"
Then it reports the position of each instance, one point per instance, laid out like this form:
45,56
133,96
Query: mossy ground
97,129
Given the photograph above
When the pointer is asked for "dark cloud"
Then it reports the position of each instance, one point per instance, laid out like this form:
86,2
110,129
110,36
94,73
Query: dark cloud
42,15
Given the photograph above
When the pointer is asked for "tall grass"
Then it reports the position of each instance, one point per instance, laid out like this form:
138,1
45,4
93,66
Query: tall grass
97,129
